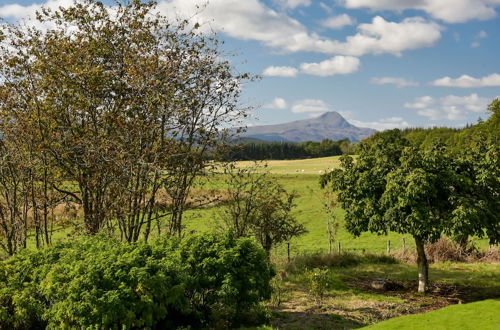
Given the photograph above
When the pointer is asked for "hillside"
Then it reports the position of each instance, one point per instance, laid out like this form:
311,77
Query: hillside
330,125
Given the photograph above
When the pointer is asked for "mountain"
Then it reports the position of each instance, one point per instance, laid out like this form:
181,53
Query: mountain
330,125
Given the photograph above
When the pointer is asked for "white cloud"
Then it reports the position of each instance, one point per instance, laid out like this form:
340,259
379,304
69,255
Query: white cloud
338,22
17,12
333,66
292,4
310,106
466,81
281,71
482,34
278,103
326,8
420,102
381,36
449,107
253,20
399,82
382,124
475,44
450,11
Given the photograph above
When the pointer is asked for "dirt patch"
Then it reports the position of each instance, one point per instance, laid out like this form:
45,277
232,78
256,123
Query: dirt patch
360,305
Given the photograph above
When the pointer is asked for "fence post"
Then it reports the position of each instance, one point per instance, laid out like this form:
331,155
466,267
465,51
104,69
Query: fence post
340,247
388,246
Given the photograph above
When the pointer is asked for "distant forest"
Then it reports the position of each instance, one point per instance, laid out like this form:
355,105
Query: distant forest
455,138
263,150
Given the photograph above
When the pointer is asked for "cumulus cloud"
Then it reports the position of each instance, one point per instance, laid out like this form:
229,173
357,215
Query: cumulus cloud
330,67
278,103
325,7
17,12
382,124
280,71
482,34
381,36
450,11
292,4
338,22
333,66
310,106
399,82
253,20
466,81
449,107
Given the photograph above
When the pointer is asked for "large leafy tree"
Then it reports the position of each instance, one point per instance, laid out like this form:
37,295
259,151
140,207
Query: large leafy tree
392,186
123,102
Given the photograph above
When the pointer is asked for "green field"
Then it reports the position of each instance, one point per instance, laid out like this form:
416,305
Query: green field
302,176
480,315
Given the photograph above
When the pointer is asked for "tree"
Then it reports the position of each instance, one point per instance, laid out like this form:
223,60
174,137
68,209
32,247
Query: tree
395,187
259,206
125,103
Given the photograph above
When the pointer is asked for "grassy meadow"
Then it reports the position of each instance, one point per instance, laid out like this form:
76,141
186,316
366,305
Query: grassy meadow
302,176
350,302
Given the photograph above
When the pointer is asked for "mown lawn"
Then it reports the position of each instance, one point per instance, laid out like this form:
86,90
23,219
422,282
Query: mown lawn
482,315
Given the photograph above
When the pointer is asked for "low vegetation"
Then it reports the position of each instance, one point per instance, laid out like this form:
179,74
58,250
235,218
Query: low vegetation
203,281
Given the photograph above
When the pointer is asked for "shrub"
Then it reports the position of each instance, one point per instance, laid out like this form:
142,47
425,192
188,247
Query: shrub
99,282
319,282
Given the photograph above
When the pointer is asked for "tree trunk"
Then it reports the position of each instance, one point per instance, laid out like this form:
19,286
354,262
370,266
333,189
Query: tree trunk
423,266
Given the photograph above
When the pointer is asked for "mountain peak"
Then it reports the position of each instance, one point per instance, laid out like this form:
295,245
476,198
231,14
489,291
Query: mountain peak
331,115
330,125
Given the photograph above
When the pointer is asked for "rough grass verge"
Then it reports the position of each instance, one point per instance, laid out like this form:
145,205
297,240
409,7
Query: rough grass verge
345,259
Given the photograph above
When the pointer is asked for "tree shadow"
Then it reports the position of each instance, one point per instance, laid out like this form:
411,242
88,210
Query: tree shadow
283,319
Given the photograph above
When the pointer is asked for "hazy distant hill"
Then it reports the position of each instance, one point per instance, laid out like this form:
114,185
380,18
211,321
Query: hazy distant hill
330,125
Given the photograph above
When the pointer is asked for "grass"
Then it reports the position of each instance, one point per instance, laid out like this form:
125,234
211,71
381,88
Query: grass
299,166
309,211
479,315
350,302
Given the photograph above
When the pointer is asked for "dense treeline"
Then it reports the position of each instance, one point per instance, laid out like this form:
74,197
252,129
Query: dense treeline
290,150
456,139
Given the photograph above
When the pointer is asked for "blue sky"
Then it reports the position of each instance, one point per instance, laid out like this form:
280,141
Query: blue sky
380,63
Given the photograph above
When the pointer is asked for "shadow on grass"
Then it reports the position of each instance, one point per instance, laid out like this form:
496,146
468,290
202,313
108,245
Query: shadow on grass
464,282
313,319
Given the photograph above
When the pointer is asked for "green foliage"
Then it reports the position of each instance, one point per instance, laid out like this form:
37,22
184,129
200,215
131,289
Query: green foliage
257,205
290,150
319,282
103,283
426,193
308,261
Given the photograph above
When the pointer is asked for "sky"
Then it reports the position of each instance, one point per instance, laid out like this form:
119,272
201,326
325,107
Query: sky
380,63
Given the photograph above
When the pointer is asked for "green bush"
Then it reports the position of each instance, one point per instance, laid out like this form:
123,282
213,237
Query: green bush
97,282
319,283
